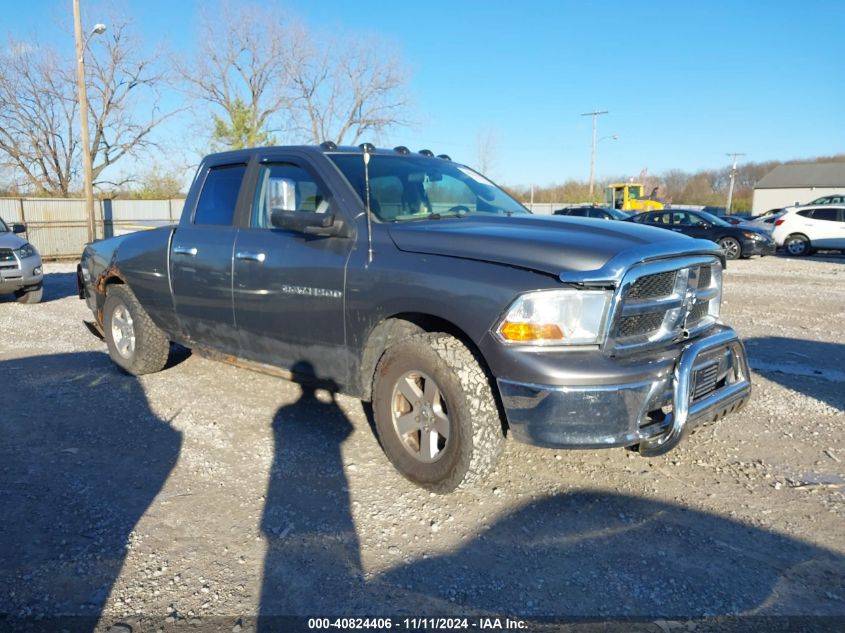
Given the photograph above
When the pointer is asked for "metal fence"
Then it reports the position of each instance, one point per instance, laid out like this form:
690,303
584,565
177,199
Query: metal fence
58,227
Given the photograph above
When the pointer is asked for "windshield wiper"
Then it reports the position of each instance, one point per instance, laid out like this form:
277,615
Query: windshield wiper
441,216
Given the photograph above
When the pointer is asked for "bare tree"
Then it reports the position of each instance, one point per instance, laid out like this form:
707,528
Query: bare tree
346,90
39,110
486,150
116,76
262,75
241,70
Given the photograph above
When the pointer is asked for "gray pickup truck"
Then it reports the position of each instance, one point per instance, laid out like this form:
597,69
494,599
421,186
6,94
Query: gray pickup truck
21,271
413,282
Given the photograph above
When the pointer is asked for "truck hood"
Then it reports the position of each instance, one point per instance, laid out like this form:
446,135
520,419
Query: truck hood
549,244
11,240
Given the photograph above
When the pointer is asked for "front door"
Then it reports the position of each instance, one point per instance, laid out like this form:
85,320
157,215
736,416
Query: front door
201,262
289,286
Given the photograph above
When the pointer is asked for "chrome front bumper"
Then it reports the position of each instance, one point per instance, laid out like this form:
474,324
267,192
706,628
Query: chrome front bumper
710,379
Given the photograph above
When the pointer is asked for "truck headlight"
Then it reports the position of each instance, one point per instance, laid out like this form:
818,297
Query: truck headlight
27,250
555,317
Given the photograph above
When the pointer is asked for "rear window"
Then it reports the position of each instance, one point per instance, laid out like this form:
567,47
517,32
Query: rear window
826,214
219,195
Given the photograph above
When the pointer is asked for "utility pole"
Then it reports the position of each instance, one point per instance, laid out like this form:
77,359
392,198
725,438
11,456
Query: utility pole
733,155
595,114
81,45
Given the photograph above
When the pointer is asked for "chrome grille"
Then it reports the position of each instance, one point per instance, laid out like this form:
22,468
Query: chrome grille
705,275
653,286
698,312
660,302
640,324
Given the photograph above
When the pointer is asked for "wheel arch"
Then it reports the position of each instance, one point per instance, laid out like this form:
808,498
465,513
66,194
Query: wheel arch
109,277
399,326
798,234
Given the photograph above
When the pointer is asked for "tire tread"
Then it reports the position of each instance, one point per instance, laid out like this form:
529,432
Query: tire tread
152,346
478,458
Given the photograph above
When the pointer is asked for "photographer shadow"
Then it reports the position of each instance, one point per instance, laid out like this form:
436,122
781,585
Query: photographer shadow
312,547
82,458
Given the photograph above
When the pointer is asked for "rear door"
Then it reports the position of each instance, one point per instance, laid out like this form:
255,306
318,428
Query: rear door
289,286
825,227
201,261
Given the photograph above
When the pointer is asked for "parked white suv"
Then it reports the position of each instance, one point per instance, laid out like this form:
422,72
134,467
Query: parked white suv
801,230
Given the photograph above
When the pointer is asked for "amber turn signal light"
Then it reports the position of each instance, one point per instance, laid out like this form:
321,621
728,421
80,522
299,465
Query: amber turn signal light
530,331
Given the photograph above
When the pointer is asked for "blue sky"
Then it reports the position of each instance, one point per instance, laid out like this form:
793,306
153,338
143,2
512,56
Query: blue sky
684,82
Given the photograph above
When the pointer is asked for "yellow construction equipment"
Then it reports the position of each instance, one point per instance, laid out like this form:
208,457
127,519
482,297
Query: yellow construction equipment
628,196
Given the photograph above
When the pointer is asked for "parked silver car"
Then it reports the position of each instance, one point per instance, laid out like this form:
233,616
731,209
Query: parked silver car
21,271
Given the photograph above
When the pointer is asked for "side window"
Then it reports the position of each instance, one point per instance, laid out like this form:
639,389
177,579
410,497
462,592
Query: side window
806,213
285,187
219,195
831,215
386,196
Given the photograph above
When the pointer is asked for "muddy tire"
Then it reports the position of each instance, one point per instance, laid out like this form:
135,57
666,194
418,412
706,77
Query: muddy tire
435,413
135,343
32,296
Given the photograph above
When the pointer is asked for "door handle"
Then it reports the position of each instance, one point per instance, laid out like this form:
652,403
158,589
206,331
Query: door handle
253,257
185,250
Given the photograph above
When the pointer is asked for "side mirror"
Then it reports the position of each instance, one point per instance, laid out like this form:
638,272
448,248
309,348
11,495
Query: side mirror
702,224
324,224
19,228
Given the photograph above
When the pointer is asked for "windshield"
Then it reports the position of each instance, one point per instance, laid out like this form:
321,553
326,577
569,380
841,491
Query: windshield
3,227
417,187
712,219
617,214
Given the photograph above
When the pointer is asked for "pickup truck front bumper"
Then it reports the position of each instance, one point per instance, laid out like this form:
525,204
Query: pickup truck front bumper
707,379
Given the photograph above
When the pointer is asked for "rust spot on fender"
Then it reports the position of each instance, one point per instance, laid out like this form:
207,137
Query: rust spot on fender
102,281
112,272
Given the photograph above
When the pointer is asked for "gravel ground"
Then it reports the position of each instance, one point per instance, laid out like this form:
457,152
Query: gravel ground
211,493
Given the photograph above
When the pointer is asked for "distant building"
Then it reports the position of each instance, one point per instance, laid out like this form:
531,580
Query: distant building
798,183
